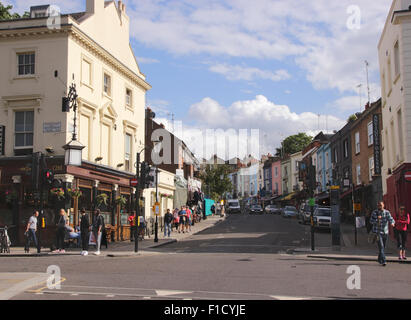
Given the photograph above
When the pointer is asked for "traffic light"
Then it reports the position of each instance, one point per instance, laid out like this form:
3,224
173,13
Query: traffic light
48,177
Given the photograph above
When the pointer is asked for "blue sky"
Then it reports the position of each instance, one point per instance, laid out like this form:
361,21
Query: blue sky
266,64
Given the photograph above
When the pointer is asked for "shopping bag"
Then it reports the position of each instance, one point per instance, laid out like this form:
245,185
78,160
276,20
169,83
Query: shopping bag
92,239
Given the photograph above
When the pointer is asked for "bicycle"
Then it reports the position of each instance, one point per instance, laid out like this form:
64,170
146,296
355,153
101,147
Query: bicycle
5,242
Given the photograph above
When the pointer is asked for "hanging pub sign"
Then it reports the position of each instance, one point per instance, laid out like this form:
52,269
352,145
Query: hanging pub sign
2,140
377,144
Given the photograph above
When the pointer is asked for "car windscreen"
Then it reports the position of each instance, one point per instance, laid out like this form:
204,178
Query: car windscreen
290,209
323,212
233,204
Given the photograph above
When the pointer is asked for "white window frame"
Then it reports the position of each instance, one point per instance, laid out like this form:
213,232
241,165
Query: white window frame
91,75
397,66
23,132
109,86
358,172
370,133
357,143
129,101
371,168
128,155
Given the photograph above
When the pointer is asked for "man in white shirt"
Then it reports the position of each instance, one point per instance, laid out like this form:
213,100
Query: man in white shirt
31,229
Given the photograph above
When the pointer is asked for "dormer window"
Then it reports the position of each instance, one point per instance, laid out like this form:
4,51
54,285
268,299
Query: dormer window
39,11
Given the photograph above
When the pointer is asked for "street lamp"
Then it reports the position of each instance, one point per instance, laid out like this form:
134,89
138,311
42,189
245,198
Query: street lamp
73,149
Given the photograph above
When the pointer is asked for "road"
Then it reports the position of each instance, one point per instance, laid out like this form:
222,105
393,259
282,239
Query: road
245,257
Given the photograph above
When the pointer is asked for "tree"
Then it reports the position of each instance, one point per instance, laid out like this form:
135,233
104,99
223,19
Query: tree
215,181
6,15
294,144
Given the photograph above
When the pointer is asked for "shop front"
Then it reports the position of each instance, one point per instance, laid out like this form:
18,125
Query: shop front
88,187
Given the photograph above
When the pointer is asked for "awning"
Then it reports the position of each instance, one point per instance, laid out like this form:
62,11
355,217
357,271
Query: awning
289,197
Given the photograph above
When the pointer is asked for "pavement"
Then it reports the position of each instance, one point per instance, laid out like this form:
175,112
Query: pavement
352,250
125,248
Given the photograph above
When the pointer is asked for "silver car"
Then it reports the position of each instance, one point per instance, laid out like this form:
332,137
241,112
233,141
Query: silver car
290,212
273,209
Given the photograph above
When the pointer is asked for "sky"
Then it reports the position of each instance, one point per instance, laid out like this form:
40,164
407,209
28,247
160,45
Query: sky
279,67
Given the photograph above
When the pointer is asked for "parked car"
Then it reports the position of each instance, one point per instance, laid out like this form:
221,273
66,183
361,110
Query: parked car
322,218
233,206
289,212
256,208
273,209
306,216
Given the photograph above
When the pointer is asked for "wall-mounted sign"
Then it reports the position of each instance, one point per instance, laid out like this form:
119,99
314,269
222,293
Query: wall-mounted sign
2,140
407,176
49,127
377,144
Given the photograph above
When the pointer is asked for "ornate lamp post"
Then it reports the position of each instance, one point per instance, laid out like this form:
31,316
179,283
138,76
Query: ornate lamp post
73,149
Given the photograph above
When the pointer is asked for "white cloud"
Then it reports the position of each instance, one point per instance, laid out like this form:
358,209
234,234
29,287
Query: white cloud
144,60
234,73
274,122
314,33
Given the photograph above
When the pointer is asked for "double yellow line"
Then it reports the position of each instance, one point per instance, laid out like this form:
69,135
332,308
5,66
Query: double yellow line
43,288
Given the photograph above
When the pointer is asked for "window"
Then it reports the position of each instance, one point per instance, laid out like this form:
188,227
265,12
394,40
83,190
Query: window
370,134
345,148
107,84
24,126
357,142
129,98
127,153
400,135
389,77
397,59
86,72
276,172
335,155
383,83
358,174
371,167
26,63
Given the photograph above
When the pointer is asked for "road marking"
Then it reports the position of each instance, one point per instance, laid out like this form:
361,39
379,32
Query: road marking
43,288
165,293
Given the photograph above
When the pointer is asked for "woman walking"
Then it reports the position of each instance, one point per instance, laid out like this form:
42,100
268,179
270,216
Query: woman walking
401,225
84,232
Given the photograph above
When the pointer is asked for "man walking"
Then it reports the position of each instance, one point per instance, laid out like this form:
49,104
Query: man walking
31,229
379,221
85,232
168,219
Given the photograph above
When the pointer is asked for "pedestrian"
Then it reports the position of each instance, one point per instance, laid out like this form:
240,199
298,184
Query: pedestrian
168,220
98,226
84,232
132,221
188,219
401,225
176,219
61,231
182,219
379,220
31,229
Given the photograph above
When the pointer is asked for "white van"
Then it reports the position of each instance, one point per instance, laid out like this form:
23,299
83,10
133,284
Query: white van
233,206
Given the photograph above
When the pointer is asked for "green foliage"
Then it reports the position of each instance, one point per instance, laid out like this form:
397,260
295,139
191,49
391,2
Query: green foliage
5,13
294,144
352,117
215,181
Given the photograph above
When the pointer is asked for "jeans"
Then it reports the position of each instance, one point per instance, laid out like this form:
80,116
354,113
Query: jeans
167,229
85,238
401,239
132,232
61,234
382,241
98,239
31,237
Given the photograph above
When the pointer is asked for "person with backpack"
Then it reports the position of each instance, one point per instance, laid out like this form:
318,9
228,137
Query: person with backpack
30,233
379,220
182,219
401,225
84,232
97,229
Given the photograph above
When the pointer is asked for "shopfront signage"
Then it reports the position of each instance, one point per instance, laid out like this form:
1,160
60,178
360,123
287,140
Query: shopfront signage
377,144
2,140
